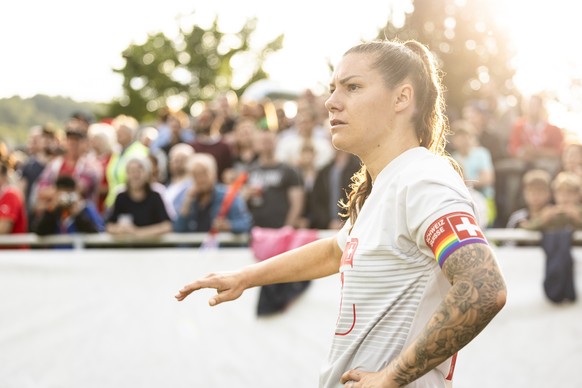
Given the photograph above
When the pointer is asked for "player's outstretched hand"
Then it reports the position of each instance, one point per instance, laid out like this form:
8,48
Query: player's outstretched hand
228,286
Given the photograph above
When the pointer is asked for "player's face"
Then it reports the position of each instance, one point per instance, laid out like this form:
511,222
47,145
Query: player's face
359,105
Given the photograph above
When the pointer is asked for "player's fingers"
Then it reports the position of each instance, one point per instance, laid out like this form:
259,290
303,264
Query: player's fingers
208,282
351,375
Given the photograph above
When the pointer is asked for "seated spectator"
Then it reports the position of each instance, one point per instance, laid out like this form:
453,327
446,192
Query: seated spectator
203,201
67,212
537,195
13,218
138,210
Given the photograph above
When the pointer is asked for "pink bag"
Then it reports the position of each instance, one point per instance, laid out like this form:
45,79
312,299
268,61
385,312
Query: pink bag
268,242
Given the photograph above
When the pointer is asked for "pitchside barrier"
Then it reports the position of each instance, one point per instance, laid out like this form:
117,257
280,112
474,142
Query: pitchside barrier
105,240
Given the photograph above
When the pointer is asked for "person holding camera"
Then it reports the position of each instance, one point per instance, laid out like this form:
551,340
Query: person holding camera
66,212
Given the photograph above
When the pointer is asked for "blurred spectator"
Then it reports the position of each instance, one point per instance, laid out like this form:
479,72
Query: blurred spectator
330,187
35,163
146,136
557,223
537,195
566,212
477,114
534,141
308,171
289,148
138,210
571,160
255,111
476,163
158,187
179,178
224,105
80,121
76,163
241,141
204,199
126,129
534,144
102,139
274,190
210,141
173,128
13,219
67,212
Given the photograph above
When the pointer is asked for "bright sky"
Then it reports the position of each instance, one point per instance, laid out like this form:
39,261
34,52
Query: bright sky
66,47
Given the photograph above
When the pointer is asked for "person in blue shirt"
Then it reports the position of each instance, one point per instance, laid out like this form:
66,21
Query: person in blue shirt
203,201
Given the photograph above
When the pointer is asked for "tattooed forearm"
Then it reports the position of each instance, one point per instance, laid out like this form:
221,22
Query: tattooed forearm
476,296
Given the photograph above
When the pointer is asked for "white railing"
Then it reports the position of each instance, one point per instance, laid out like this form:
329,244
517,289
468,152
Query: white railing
81,241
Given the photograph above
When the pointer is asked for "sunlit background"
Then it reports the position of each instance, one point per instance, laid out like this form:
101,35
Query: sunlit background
69,48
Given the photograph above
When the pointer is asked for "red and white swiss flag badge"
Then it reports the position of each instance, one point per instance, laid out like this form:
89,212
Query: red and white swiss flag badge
349,252
465,226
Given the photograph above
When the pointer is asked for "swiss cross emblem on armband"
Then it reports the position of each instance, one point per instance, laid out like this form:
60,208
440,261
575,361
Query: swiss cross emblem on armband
466,227
450,232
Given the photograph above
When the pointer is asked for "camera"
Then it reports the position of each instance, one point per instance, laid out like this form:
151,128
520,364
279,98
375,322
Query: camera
68,199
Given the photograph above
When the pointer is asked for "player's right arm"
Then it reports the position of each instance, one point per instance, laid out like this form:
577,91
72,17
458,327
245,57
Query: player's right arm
312,261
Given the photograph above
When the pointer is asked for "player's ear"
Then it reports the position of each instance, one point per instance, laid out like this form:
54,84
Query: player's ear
404,94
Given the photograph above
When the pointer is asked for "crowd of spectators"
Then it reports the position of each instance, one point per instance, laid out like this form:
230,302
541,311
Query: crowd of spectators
123,177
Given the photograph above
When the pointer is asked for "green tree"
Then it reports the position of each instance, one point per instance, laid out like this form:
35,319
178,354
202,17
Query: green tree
473,50
196,66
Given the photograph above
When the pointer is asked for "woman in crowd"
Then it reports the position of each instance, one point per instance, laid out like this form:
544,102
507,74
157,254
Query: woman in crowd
138,210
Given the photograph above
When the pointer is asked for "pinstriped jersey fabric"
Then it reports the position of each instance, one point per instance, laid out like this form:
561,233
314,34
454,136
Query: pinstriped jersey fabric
390,281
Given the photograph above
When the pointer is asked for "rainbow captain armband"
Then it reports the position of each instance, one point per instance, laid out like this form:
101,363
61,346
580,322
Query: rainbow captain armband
451,232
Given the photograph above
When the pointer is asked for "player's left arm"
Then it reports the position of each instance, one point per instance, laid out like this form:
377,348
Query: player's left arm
477,294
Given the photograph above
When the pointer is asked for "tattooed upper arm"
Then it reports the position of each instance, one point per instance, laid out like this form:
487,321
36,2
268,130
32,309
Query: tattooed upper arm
475,264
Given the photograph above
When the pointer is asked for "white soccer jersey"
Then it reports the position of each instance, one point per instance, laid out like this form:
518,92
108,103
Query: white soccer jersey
391,282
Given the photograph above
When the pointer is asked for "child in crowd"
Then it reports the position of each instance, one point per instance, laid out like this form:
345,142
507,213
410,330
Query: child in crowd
567,210
537,194
557,222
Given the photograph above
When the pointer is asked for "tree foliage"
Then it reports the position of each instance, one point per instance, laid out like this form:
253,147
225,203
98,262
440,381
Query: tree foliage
18,115
196,66
474,52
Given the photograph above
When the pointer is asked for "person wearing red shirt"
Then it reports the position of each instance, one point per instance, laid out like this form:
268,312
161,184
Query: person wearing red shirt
534,140
12,210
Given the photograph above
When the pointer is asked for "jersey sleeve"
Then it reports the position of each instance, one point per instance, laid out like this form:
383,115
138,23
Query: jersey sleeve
343,234
441,216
